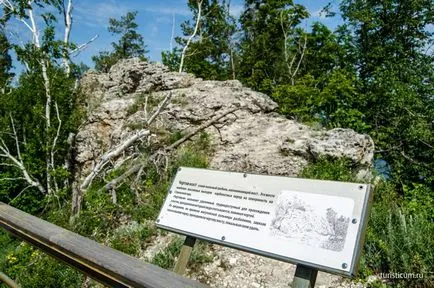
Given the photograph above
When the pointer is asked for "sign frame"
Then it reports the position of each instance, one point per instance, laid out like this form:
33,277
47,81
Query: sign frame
359,241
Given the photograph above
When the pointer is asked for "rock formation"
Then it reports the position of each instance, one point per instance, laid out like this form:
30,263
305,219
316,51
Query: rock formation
254,138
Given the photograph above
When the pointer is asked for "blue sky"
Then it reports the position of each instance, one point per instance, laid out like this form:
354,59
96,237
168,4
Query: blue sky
155,18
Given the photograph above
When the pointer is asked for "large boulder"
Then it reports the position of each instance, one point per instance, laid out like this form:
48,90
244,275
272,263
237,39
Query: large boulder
254,138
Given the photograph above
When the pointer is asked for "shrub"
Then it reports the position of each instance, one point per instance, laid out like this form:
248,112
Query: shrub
330,169
131,238
167,257
398,241
400,228
34,269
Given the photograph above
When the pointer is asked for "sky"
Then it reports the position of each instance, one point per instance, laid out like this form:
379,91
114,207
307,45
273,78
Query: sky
155,20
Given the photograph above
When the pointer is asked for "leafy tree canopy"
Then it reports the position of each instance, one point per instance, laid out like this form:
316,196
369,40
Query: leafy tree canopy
130,44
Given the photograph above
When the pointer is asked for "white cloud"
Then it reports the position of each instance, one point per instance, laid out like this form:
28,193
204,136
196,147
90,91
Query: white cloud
96,14
236,9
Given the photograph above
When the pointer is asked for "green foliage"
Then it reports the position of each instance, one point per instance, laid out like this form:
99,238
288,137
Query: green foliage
398,240
34,269
398,237
263,46
130,44
5,61
331,101
171,59
131,238
324,53
396,70
418,198
98,216
200,255
156,187
166,258
210,53
330,169
24,109
7,247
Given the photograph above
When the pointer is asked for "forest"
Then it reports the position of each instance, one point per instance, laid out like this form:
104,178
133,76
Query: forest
374,74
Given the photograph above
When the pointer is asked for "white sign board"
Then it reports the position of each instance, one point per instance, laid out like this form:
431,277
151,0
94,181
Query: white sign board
310,222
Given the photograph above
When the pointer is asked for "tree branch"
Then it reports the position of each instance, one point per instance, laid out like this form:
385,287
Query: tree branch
172,36
162,105
18,161
300,59
201,127
137,167
83,46
112,154
123,146
196,27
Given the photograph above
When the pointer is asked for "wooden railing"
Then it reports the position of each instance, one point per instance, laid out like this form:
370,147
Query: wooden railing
106,265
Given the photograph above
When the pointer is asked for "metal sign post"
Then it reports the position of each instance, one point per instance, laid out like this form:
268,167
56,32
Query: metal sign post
305,277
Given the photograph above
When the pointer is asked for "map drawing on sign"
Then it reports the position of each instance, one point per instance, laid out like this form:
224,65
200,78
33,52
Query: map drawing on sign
319,221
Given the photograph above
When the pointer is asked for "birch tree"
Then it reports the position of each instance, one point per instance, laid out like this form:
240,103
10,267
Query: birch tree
207,47
193,34
43,115
267,58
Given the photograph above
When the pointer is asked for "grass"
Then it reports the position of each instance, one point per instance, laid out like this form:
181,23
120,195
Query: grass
131,238
167,257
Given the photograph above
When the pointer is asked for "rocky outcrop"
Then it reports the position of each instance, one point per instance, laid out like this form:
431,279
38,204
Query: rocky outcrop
254,138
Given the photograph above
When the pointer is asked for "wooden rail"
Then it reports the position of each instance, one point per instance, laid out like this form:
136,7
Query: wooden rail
102,263
8,281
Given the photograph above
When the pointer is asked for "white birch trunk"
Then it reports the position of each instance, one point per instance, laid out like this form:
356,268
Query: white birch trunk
196,27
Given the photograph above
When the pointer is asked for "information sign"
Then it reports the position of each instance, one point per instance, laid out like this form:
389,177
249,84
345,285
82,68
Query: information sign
310,222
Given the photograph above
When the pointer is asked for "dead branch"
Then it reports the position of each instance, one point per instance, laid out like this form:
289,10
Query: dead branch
134,187
164,151
115,152
146,106
416,162
285,44
201,127
21,44
172,36
162,105
12,179
114,196
112,154
19,194
302,51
